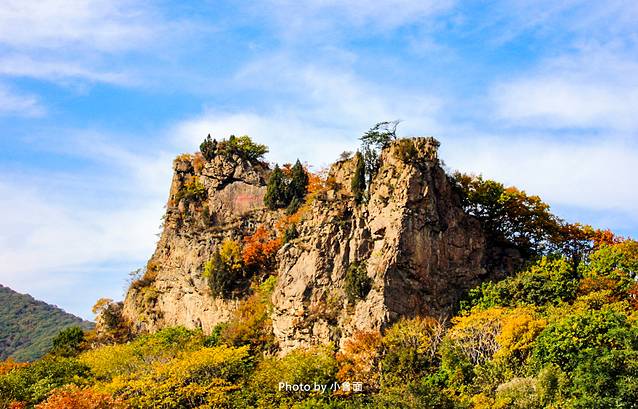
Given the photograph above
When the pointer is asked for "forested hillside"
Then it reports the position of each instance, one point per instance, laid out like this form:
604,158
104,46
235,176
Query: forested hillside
27,326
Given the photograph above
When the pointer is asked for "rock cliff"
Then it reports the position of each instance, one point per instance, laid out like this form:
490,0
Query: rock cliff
411,238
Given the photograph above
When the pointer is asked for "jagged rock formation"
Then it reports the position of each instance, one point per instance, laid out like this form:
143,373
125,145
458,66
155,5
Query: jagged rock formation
416,244
174,291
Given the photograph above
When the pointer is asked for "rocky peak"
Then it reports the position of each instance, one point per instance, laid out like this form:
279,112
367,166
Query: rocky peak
409,248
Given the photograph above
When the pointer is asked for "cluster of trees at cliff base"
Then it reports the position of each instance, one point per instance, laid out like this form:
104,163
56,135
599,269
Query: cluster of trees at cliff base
552,335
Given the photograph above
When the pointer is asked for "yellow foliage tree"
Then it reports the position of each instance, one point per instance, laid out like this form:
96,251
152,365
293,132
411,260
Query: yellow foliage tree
198,379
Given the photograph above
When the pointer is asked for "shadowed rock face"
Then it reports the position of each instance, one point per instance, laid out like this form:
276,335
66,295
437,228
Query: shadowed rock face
420,250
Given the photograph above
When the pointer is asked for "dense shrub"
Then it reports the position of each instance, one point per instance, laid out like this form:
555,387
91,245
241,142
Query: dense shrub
360,360
357,283
259,251
73,397
564,342
290,233
141,354
242,146
68,342
191,191
202,378
410,350
225,270
33,383
549,281
308,366
251,323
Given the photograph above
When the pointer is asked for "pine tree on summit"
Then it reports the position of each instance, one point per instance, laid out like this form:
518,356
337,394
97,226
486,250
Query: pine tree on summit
276,190
208,148
298,185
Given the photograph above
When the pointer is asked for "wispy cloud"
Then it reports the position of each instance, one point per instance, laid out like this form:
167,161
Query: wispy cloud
19,104
93,25
56,40
318,111
56,70
327,21
595,88
62,230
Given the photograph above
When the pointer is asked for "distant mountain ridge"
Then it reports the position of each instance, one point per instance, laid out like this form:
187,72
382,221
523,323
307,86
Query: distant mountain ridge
27,325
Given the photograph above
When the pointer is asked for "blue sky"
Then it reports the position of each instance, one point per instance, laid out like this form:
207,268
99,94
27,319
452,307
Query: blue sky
98,96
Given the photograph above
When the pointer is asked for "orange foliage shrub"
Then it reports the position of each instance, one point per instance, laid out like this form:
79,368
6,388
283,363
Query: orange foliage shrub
602,237
76,398
17,405
251,324
598,283
259,250
316,184
316,181
198,162
359,361
9,365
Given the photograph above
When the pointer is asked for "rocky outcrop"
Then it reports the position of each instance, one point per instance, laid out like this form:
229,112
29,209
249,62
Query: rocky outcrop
418,246
208,201
411,238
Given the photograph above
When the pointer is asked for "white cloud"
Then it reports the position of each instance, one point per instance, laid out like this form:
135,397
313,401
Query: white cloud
67,40
384,14
592,174
19,104
562,102
62,231
57,70
324,21
596,88
104,25
324,112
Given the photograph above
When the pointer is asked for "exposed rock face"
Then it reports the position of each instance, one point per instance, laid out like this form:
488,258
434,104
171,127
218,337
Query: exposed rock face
178,294
419,249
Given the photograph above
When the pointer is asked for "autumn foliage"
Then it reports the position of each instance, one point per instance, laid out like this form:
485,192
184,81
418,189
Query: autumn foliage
259,251
72,396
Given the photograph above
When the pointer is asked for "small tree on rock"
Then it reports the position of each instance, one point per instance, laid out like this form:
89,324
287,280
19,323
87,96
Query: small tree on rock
358,183
208,148
373,141
276,190
298,185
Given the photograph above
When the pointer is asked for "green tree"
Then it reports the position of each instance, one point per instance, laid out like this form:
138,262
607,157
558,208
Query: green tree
218,274
358,183
509,216
568,342
549,281
242,146
68,342
208,148
358,284
373,141
298,185
276,190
